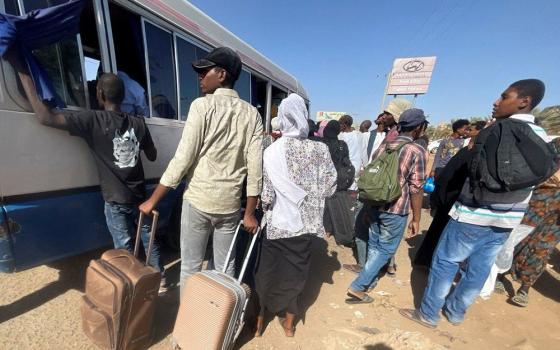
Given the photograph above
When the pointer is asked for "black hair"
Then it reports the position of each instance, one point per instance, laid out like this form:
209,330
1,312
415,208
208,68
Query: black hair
332,130
479,125
313,127
366,122
423,126
346,120
459,124
533,88
112,87
229,81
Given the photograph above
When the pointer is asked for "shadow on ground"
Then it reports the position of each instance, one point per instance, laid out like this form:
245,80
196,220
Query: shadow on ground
71,275
418,274
323,266
380,346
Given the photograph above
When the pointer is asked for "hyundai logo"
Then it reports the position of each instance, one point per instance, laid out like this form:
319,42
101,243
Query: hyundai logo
413,66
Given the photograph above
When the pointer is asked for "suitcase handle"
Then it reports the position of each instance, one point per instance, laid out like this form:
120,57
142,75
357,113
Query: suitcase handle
155,215
248,255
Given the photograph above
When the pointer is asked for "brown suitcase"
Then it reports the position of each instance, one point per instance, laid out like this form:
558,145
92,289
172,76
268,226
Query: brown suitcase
212,309
120,295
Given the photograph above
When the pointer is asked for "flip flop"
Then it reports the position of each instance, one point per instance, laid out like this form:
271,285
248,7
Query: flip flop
354,299
521,299
352,268
414,315
500,288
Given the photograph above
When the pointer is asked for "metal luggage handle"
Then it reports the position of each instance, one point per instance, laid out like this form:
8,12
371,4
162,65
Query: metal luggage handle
248,255
155,215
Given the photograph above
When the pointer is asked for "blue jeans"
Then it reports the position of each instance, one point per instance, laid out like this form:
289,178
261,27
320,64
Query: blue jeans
196,229
478,246
362,236
385,234
121,223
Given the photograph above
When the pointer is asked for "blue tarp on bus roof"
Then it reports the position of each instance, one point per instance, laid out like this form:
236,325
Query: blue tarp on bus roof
37,29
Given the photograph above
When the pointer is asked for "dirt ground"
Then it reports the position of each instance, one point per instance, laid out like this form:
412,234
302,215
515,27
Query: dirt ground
39,309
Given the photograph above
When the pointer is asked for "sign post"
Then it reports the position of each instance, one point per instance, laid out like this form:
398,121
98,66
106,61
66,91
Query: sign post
409,76
322,115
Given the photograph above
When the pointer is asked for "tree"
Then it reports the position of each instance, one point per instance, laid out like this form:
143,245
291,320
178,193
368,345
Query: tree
549,119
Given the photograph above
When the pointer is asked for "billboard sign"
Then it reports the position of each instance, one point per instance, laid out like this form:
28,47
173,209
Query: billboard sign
321,115
411,76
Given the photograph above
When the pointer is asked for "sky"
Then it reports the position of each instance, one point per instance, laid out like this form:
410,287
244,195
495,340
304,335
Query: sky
341,51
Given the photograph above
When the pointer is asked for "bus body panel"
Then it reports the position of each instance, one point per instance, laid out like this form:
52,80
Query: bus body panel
52,200
37,159
7,261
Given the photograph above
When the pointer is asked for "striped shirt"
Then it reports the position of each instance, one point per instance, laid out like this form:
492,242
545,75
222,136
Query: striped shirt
492,213
412,165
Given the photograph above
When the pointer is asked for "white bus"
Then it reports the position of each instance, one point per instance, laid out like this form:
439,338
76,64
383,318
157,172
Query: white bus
50,200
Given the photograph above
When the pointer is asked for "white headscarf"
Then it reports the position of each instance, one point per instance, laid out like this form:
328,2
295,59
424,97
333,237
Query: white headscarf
292,117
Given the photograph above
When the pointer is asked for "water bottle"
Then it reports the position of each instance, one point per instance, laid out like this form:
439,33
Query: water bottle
429,186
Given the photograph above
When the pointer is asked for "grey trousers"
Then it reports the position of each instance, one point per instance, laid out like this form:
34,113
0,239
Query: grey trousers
196,229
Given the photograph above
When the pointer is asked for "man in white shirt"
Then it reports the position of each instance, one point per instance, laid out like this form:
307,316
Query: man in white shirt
374,138
354,140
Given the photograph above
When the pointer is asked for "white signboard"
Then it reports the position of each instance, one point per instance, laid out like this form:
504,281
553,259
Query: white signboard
411,76
322,115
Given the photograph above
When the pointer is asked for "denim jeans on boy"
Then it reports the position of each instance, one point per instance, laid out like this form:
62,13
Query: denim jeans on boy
121,221
478,246
385,234
196,229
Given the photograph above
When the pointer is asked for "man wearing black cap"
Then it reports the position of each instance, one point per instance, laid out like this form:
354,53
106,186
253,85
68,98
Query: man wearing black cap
388,222
220,147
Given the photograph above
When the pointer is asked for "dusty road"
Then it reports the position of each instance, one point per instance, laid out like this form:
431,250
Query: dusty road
39,309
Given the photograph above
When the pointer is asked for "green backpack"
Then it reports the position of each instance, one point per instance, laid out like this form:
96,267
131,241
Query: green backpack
379,183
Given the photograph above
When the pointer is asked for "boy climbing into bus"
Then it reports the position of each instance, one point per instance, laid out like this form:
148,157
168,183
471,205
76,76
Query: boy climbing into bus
115,140
220,147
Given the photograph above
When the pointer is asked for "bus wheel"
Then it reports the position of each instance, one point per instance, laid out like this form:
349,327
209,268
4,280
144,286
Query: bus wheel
173,234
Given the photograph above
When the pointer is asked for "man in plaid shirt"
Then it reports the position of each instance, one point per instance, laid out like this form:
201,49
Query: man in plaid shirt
387,224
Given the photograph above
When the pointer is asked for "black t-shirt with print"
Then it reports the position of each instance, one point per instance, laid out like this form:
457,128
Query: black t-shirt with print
115,140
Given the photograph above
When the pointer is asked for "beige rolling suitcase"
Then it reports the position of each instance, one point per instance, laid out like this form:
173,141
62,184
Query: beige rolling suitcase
212,309
121,292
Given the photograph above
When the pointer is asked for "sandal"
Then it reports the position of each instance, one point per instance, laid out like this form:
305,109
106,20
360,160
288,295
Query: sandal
354,299
521,298
352,268
288,332
414,315
500,288
392,270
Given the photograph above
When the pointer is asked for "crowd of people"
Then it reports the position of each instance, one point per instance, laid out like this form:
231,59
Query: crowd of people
309,178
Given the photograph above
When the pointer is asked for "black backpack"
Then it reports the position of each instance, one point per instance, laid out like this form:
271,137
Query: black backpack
509,156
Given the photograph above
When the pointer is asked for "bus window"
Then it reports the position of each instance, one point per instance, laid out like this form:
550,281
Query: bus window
128,45
160,68
62,60
277,97
188,79
200,53
11,7
258,95
243,86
